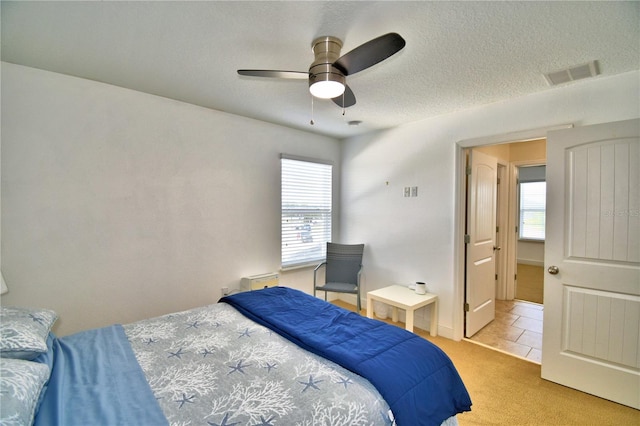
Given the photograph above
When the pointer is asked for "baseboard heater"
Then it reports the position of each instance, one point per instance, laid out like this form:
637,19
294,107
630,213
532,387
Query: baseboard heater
257,282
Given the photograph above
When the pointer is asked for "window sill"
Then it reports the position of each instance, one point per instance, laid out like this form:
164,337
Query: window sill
302,266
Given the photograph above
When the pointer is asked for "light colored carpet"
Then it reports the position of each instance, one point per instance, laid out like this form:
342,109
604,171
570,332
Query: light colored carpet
506,390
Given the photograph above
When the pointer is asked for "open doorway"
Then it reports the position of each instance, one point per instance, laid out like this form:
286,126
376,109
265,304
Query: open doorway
519,254
531,211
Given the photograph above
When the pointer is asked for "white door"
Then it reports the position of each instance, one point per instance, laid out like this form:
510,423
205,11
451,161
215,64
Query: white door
591,337
480,291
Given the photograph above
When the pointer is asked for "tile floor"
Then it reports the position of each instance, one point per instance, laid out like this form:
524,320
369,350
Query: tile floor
517,329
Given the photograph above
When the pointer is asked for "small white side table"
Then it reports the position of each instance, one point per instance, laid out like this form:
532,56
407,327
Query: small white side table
399,296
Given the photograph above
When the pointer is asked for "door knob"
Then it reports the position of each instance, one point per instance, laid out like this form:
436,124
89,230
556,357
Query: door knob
496,248
553,270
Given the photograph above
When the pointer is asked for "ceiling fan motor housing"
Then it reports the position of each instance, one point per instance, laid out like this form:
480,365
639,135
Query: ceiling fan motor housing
326,51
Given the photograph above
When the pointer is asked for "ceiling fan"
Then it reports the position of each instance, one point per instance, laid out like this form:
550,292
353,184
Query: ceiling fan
327,73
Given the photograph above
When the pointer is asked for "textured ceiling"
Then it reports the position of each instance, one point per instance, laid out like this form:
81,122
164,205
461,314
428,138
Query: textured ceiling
458,54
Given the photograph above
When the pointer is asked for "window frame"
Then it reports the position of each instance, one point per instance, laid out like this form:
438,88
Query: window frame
520,218
293,232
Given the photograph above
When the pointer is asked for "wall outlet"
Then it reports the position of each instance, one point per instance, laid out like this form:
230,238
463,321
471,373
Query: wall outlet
225,291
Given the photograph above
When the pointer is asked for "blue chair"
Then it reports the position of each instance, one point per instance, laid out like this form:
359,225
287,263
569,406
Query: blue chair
342,270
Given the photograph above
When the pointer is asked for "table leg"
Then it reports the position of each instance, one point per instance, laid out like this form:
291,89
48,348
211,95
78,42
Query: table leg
433,327
394,314
369,307
409,320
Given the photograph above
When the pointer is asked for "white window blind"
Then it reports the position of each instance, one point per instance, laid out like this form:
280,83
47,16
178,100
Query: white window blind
306,211
532,210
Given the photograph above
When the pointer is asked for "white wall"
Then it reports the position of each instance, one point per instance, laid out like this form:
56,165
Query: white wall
412,239
118,205
531,253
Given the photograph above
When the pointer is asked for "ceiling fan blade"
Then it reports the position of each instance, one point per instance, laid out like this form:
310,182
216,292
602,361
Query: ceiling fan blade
300,75
370,53
348,98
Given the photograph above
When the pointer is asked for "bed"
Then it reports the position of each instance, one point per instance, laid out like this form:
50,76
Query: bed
270,357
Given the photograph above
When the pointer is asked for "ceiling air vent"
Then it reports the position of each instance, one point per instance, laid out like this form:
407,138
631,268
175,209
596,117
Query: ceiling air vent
590,69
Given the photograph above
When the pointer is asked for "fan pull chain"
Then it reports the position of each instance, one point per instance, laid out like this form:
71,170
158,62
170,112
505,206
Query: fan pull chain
343,104
311,122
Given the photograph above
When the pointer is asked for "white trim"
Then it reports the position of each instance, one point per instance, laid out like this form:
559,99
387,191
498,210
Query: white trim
459,209
306,159
530,262
458,244
4,288
512,236
521,136
299,266
500,350
446,332
502,256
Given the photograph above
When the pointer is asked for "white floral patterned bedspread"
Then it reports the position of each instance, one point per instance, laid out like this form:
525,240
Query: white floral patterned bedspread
213,366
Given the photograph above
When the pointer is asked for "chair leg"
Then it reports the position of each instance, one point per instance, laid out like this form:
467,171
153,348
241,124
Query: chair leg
358,304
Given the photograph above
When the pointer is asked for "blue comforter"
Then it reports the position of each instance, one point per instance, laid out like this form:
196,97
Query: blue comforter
416,378
93,372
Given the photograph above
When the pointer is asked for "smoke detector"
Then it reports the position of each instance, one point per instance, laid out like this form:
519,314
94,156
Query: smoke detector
588,70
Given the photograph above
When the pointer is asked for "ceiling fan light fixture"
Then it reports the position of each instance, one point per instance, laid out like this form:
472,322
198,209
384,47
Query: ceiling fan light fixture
327,89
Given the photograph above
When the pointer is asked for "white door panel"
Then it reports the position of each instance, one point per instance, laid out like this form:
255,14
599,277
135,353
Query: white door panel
591,338
481,229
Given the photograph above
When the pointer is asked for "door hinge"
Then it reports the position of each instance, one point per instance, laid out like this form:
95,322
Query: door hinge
496,277
468,170
516,229
515,277
498,181
497,229
466,307
467,239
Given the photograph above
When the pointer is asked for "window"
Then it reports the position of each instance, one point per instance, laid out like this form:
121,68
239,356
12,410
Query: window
532,210
306,211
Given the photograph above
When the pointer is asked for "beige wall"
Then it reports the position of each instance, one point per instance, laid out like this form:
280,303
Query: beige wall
518,151
528,151
501,151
